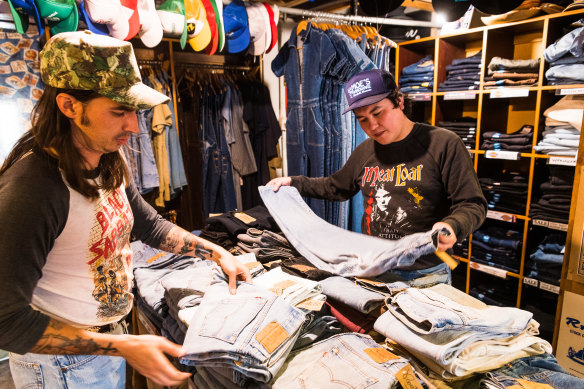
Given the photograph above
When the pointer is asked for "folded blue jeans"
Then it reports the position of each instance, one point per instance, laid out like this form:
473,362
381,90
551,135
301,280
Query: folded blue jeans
351,294
352,254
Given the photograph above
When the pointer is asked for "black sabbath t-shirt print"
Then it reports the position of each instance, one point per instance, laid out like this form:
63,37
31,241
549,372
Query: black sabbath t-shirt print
393,199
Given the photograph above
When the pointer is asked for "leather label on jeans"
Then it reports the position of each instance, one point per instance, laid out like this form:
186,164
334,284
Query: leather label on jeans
370,282
272,336
281,286
380,354
523,384
252,265
244,217
303,268
311,304
407,378
155,257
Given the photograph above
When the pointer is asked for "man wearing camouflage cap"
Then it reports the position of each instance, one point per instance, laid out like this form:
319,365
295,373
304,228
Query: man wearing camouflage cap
68,208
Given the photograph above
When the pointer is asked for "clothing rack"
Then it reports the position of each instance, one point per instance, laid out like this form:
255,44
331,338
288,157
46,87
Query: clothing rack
356,19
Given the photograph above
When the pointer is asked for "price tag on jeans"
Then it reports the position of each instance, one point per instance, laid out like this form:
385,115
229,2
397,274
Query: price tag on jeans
549,287
570,91
459,95
530,281
509,92
506,217
564,161
501,154
489,269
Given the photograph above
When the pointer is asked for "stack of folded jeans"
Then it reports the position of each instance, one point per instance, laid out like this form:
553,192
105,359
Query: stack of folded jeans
559,140
512,72
292,289
456,335
251,332
555,196
463,74
461,248
566,58
464,127
545,263
506,193
520,140
531,372
266,245
497,247
495,291
418,77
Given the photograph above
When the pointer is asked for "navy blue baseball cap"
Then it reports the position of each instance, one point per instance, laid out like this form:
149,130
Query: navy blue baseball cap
21,9
237,36
368,87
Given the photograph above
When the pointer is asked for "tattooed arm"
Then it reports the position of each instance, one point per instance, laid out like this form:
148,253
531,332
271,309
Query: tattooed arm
179,241
146,353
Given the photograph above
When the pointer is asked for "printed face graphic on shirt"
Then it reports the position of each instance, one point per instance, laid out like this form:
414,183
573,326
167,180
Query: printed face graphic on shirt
110,253
394,198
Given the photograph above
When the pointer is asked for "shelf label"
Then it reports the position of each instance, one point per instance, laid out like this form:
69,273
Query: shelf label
564,161
551,225
506,217
570,91
459,96
489,269
549,287
531,281
420,96
509,92
502,154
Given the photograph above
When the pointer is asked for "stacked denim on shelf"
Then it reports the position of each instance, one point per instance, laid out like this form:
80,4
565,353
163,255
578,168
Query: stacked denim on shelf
545,263
464,127
566,58
519,140
461,248
496,292
463,74
456,335
506,193
504,72
497,247
563,122
418,77
555,196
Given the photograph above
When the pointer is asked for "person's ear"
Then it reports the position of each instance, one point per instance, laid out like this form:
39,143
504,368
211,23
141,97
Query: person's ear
401,103
68,105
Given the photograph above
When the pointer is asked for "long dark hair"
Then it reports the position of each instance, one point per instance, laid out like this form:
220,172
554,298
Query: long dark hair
51,131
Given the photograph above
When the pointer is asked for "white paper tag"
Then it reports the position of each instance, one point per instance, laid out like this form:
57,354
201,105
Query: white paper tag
502,154
549,287
459,96
506,217
530,281
564,161
509,92
570,91
489,269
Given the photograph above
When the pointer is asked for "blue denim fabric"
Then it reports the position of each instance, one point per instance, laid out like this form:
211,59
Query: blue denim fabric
572,72
147,165
227,331
569,43
178,177
357,210
541,256
339,361
350,294
542,369
508,243
353,254
68,371
320,327
425,65
421,278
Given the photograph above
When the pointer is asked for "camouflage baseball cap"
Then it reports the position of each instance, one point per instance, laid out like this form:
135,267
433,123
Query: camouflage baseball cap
87,61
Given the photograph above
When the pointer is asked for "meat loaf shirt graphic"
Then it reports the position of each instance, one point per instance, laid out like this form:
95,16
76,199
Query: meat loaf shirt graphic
110,254
393,199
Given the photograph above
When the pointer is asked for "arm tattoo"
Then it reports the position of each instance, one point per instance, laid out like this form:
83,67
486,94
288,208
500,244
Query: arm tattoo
182,242
201,251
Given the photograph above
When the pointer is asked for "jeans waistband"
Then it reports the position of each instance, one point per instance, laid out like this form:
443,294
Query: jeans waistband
118,328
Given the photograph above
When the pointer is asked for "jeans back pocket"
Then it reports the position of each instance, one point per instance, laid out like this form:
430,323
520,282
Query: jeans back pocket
227,320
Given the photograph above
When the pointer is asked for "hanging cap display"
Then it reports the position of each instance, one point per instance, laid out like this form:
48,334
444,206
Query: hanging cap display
218,7
91,25
87,61
198,30
61,15
211,19
173,20
128,24
236,27
21,9
273,26
368,87
267,25
151,28
257,28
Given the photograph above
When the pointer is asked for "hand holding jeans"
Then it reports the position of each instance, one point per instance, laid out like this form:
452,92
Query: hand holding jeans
445,241
276,183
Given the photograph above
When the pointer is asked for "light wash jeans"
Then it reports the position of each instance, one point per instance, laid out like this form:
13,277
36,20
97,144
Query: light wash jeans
351,294
251,332
68,371
339,361
338,251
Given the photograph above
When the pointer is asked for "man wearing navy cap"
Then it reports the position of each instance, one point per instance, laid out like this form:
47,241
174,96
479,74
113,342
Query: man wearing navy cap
421,175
